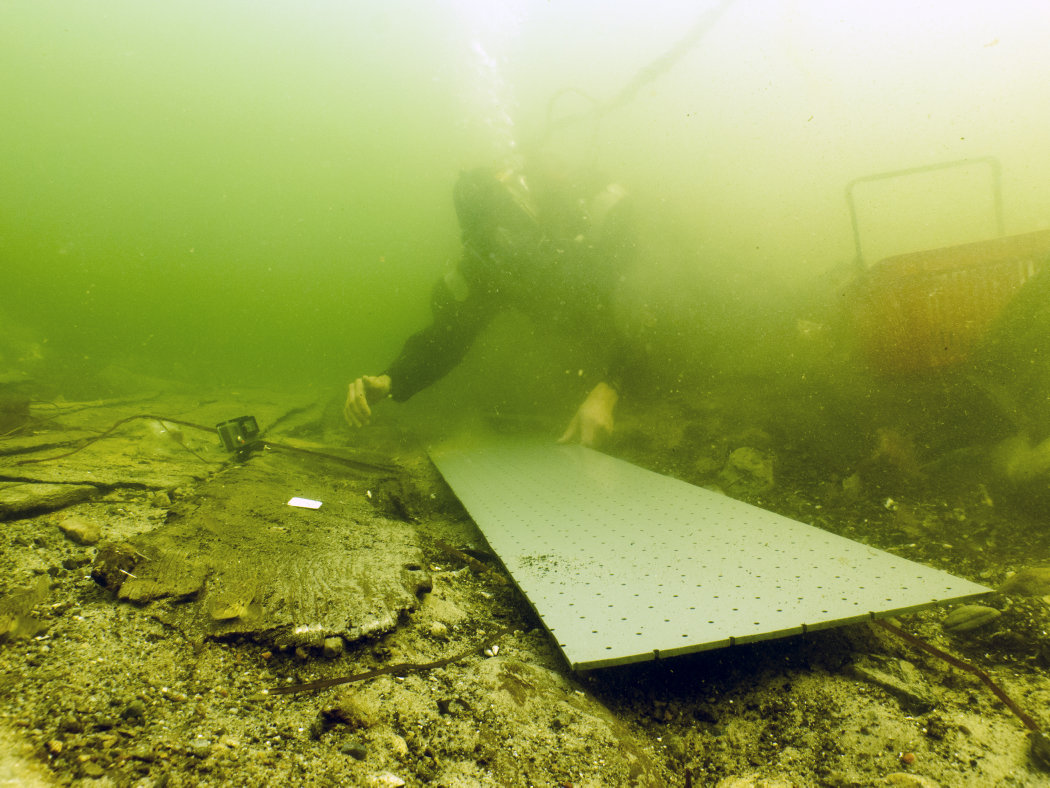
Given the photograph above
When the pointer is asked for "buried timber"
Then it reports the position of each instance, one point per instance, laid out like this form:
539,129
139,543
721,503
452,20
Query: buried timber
244,562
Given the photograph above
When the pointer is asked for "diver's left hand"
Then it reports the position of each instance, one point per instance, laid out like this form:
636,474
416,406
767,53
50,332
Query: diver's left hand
593,421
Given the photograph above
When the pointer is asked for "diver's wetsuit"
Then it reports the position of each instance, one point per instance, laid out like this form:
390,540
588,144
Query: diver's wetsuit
559,263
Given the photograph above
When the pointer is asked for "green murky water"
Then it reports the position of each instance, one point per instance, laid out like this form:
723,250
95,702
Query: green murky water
261,192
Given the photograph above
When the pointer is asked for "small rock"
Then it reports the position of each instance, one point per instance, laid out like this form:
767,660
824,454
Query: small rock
753,781
438,630
350,709
386,780
354,749
936,728
747,470
333,647
966,618
561,721
908,780
200,748
70,724
92,770
16,611
1032,581
80,530
106,722
852,488
143,753
113,565
135,710
161,500
398,746
443,610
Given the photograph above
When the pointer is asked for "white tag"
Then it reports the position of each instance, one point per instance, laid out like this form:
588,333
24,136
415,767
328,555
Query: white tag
305,503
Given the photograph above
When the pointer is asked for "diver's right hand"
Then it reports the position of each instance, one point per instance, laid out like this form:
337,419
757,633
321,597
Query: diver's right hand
366,388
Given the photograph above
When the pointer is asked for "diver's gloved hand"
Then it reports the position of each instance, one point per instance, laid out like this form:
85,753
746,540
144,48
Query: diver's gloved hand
594,418
366,388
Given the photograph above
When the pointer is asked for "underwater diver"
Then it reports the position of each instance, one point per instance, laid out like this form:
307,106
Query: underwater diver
556,250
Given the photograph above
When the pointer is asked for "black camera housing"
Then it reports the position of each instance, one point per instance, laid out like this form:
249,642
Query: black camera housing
239,435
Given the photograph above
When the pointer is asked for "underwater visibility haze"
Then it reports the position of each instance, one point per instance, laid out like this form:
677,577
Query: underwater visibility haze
832,311
261,192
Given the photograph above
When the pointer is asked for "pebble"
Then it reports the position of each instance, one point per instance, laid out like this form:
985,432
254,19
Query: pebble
92,770
398,746
144,754
104,722
386,780
561,721
70,724
852,487
350,709
333,647
675,747
161,500
1033,581
135,710
748,469
354,749
438,630
907,780
79,530
753,782
200,748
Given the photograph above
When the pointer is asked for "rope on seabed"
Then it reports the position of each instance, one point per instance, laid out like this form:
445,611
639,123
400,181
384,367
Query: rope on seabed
356,464
110,431
399,669
998,691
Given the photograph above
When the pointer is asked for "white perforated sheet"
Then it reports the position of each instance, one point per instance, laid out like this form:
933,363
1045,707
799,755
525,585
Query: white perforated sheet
624,565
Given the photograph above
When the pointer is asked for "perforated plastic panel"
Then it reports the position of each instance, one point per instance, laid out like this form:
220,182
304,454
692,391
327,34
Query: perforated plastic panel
625,565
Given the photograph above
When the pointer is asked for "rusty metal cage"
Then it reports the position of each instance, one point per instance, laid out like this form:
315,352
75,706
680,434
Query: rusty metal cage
928,309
